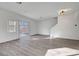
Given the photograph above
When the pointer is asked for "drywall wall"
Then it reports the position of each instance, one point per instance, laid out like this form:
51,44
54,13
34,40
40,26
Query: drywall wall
5,16
67,27
33,27
44,26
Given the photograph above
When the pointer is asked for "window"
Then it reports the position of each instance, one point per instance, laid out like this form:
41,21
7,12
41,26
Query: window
12,26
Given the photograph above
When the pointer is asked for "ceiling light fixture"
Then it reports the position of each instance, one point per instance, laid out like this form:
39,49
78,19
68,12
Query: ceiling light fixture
64,11
19,2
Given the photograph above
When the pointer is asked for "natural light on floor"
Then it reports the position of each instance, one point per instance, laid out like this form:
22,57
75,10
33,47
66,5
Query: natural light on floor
62,52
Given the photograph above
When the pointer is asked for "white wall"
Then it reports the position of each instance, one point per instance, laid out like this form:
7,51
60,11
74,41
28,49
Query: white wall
33,27
66,27
44,26
6,15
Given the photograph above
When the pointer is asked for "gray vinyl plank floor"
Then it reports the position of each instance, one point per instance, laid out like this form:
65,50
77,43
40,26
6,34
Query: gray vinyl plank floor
36,46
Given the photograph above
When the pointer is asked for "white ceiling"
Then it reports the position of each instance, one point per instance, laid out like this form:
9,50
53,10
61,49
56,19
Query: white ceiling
37,10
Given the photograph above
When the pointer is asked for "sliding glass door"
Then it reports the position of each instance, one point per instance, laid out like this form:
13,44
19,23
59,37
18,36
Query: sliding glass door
23,32
23,28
